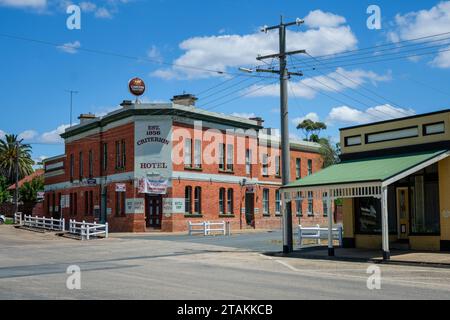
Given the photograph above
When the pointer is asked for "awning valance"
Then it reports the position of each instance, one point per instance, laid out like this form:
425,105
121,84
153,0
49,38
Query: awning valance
364,177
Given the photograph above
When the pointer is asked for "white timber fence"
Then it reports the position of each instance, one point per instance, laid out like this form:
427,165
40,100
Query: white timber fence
317,233
42,223
88,230
208,228
18,218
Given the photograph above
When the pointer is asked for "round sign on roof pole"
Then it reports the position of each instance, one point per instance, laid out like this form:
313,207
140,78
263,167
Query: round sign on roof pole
136,87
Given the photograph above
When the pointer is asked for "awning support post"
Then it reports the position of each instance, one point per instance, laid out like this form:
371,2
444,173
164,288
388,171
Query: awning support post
385,223
330,225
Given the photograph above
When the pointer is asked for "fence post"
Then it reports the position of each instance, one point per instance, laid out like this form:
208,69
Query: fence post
340,236
63,224
189,228
106,230
318,233
205,232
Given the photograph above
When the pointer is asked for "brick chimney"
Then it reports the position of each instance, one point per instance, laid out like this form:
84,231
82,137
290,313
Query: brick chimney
184,99
86,117
258,120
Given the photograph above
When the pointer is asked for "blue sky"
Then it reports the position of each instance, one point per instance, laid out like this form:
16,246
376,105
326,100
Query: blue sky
218,35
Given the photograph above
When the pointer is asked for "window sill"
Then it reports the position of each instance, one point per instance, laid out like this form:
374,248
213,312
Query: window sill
226,171
227,216
193,169
193,216
266,215
277,214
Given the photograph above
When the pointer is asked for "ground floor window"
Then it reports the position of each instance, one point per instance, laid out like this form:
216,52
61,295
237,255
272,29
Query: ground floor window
325,204
298,204
222,201
188,200
310,203
230,201
425,218
277,202
198,200
266,201
120,203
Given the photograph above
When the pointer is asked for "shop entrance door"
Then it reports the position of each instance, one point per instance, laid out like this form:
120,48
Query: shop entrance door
403,213
153,211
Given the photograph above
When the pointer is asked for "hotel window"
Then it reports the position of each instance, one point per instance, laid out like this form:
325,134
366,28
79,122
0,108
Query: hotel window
310,203
105,157
325,204
80,165
198,153
188,152
124,155
91,164
59,203
72,166
91,203
266,207
48,203
86,203
198,200
54,203
188,200
310,170
120,204
117,154
434,128
222,156
222,201
278,166
248,161
277,202
265,164
75,203
230,201
298,168
230,157
298,204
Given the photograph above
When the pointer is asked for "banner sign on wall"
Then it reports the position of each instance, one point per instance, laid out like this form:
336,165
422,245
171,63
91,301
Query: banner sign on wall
151,186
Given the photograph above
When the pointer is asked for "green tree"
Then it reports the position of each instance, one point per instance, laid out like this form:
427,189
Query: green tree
330,154
10,147
28,191
4,193
311,129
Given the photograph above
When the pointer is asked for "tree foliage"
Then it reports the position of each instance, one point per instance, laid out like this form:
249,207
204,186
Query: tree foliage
9,150
311,129
28,191
4,193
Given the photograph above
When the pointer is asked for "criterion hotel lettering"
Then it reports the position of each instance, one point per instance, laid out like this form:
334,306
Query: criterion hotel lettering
152,139
156,165
153,133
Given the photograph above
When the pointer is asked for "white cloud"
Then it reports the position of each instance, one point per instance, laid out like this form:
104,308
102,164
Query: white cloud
311,116
34,4
54,135
318,18
103,13
2,134
243,115
28,135
70,47
424,23
335,81
225,52
87,6
348,115
154,53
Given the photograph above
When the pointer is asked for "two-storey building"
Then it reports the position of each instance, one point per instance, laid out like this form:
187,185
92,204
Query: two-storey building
157,166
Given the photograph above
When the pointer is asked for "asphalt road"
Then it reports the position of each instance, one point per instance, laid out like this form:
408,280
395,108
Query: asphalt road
33,266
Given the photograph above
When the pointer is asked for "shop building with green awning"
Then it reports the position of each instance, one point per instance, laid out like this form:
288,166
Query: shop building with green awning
394,182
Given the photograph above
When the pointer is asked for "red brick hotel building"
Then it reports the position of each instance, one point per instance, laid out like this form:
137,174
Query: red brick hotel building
157,166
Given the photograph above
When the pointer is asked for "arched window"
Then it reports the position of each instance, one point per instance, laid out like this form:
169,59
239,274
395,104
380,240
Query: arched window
198,200
222,200
230,201
188,199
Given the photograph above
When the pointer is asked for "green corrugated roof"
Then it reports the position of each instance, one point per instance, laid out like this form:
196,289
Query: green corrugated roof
365,170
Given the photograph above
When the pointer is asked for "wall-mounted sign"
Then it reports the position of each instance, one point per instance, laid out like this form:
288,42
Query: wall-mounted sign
91,181
40,195
173,205
136,86
134,206
250,188
121,187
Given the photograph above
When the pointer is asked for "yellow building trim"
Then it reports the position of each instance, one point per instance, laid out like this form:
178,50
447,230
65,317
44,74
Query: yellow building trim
444,199
428,243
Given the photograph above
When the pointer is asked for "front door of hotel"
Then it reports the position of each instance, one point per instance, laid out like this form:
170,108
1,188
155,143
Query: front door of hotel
153,211
403,213
250,209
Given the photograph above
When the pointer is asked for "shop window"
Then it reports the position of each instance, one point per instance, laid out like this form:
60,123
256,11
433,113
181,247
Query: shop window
425,217
368,214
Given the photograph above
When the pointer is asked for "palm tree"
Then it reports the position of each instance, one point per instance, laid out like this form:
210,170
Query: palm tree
10,147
